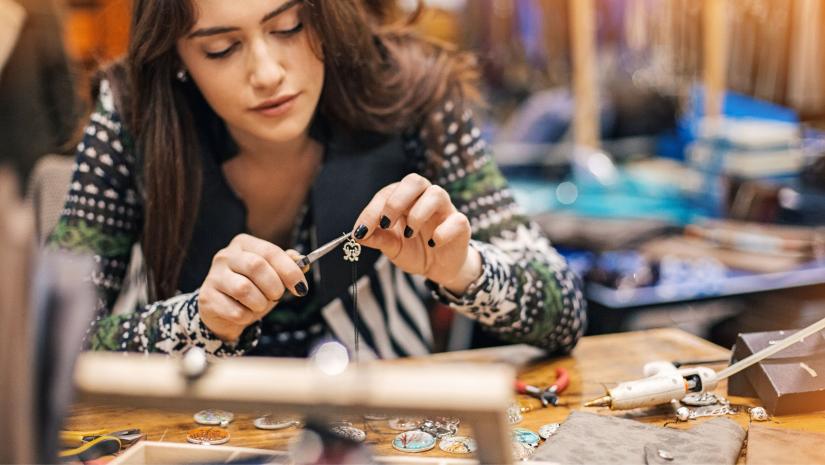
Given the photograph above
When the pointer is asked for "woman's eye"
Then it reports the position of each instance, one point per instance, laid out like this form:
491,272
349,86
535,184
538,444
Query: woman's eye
290,32
223,53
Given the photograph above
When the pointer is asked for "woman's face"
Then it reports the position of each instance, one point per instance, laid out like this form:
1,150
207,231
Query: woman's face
253,62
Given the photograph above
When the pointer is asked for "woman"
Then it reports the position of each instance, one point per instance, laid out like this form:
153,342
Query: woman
234,139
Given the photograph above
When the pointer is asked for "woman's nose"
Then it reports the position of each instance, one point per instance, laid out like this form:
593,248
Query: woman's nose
266,70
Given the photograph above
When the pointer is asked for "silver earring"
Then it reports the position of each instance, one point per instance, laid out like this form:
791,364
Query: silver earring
182,76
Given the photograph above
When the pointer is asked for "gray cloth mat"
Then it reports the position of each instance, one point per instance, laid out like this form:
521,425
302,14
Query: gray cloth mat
588,438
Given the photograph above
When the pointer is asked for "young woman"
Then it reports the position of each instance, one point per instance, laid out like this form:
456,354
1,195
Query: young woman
233,139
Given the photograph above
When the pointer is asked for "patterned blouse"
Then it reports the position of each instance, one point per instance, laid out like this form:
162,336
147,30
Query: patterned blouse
526,293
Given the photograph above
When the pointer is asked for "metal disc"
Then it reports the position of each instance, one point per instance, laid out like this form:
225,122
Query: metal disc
522,451
703,399
413,441
525,436
208,436
213,417
404,423
548,430
458,445
349,432
271,422
438,429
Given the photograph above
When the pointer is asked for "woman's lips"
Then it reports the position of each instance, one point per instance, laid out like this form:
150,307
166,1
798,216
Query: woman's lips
276,107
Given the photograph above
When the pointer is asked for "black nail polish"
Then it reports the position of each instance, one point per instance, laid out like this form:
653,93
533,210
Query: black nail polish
408,232
361,232
385,222
431,243
301,289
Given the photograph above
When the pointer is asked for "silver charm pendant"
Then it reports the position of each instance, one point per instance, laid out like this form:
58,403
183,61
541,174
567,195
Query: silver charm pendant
758,414
352,250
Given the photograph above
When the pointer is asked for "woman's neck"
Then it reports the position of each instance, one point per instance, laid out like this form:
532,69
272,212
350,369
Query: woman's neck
266,154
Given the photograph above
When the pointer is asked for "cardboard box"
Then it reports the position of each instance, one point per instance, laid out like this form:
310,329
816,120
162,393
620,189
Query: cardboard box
791,381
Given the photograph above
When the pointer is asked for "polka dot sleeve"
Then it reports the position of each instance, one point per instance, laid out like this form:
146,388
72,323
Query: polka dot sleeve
103,217
527,293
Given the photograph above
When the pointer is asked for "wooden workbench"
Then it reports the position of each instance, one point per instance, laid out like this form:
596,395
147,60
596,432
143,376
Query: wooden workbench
596,361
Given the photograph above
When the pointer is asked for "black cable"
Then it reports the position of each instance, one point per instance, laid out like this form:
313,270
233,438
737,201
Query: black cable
355,314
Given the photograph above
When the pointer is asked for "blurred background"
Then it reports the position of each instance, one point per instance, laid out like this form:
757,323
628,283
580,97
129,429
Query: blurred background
673,150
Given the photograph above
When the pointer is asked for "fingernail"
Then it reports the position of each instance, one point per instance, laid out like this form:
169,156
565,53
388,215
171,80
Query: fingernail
301,289
385,222
408,232
431,243
361,232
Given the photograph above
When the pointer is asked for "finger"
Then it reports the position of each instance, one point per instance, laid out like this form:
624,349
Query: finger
369,219
259,271
229,310
291,276
388,242
455,228
434,203
296,256
402,199
242,289
290,273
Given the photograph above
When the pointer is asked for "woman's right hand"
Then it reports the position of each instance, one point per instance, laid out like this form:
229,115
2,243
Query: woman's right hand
245,282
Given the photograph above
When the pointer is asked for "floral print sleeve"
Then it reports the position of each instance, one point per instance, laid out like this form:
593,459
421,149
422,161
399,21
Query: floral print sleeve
526,293
103,217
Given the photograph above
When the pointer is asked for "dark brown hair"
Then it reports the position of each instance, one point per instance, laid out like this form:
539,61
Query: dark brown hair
379,76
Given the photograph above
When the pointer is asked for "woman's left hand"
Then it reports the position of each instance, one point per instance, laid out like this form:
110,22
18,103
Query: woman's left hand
414,223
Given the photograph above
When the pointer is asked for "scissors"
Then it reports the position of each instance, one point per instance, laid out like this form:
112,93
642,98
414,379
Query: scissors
305,261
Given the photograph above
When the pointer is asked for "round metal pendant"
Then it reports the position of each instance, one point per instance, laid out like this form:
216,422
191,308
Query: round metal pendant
701,400
437,428
514,416
349,432
522,451
448,420
213,417
413,441
404,423
209,436
525,436
548,430
758,414
271,422
458,445
665,455
683,414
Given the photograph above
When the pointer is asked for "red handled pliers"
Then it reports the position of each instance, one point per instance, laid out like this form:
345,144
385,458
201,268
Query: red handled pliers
549,395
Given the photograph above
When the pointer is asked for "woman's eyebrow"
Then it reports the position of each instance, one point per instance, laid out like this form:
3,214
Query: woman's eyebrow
279,10
211,31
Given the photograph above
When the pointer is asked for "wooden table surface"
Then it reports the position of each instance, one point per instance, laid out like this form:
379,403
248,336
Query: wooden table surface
596,361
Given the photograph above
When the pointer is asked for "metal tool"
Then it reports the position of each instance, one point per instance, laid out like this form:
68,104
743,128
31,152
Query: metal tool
664,382
549,395
78,438
310,258
89,445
